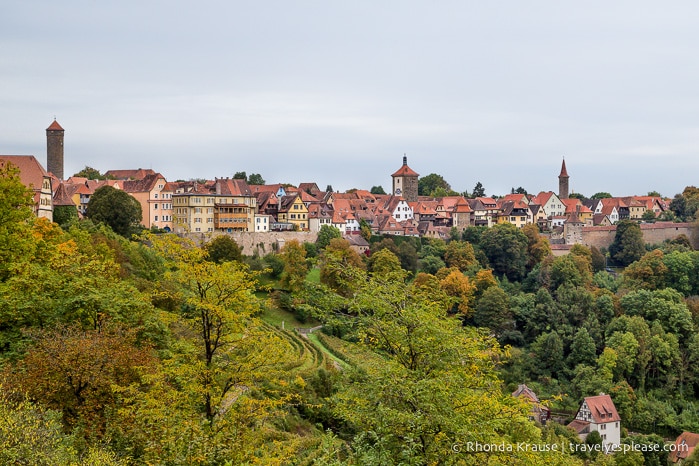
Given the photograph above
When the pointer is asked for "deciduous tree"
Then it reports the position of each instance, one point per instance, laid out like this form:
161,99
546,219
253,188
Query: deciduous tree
116,208
293,254
222,249
506,248
628,245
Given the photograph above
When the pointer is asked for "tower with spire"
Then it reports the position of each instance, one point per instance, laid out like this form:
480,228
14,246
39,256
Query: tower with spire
54,149
563,182
405,182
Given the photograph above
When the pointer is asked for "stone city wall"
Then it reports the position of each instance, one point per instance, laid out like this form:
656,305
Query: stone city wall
653,233
262,243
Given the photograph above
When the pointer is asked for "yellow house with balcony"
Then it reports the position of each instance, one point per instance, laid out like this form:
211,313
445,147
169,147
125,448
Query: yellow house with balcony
221,205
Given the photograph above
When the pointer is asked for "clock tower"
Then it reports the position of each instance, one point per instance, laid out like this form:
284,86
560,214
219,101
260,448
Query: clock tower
405,182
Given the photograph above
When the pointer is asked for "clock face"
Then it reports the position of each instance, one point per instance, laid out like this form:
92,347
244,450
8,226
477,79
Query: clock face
398,191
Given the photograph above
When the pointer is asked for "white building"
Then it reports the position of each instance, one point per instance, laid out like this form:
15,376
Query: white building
598,413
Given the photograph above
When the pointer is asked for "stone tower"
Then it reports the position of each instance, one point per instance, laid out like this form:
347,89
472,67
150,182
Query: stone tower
54,149
563,182
405,182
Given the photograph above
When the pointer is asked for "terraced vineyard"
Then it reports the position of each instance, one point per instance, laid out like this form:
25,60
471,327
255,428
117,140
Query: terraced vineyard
308,356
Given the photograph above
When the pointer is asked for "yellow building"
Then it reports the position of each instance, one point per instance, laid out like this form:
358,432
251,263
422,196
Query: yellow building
221,205
514,212
293,211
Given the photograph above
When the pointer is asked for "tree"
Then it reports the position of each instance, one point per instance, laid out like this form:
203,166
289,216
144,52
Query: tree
325,235
478,190
365,229
601,195
65,214
341,267
577,196
427,185
73,371
461,255
223,249
649,216
460,290
448,385
90,173
548,357
255,179
116,208
506,248
293,254
537,246
377,190
30,434
384,263
582,350
16,206
218,303
654,194
493,310
628,245
599,261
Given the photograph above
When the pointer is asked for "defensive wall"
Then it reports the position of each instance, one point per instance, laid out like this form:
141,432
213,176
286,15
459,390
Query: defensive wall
653,233
600,237
262,243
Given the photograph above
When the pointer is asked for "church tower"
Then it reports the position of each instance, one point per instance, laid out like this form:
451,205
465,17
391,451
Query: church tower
54,149
563,182
405,182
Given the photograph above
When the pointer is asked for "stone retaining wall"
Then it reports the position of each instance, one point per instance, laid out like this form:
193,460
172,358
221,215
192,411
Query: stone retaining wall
262,243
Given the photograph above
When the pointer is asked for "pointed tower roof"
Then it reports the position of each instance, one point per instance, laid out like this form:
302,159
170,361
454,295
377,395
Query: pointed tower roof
405,170
61,197
55,126
564,172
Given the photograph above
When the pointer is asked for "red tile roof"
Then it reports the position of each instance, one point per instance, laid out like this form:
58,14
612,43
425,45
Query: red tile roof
62,197
405,170
602,409
684,446
581,427
31,173
564,172
137,174
54,126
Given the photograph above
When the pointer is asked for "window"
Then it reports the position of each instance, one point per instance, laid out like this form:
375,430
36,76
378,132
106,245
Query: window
155,206
156,218
155,196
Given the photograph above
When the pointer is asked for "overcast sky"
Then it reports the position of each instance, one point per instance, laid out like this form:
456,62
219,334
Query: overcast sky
337,91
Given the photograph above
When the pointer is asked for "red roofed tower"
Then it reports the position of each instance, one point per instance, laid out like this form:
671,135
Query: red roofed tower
405,182
563,182
54,149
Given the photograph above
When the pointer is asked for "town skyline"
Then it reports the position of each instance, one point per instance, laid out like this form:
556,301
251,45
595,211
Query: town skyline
338,93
